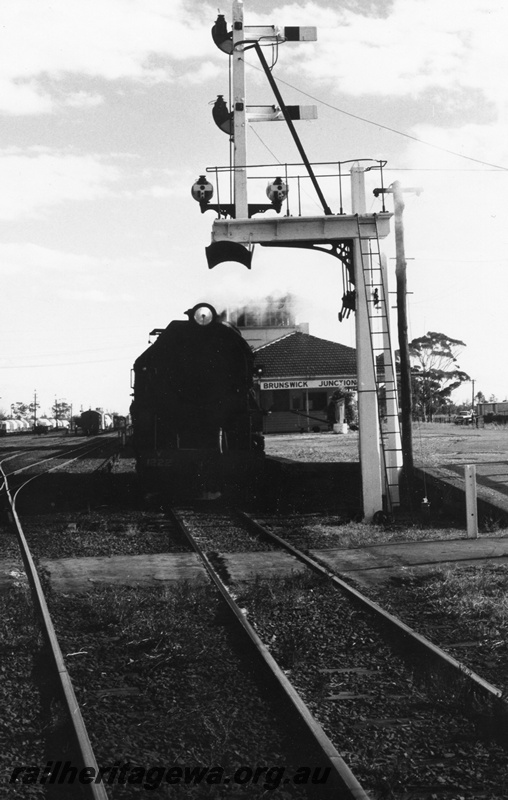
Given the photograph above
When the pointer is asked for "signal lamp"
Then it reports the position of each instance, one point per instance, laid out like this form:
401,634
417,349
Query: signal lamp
221,36
202,190
277,191
222,116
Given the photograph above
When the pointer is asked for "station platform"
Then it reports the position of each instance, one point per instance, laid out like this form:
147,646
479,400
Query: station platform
444,486
375,564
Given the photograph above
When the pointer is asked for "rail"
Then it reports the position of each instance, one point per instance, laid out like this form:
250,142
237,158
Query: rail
77,726
412,641
345,782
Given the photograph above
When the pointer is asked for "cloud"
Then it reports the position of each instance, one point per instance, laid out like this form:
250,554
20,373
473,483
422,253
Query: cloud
84,296
27,97
32,259
158,192
45,42
416,45
458,221
83,100
36,261
413,47
203,73
22,98
37,179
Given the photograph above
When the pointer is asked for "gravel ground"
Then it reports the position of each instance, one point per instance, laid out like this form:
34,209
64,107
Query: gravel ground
220,532
428,751
160,683
22,734
104,532
121,641
315,636
433,445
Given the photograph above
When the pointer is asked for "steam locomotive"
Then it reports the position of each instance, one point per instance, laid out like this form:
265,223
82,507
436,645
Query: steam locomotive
197,428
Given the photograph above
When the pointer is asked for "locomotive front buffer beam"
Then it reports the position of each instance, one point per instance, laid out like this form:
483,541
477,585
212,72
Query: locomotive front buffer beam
233,239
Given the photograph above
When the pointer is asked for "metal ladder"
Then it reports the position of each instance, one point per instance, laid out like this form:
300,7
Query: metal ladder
376,295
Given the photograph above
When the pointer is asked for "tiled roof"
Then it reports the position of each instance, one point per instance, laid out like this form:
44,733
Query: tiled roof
299,354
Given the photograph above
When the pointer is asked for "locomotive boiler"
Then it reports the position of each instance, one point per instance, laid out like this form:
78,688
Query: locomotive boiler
197,428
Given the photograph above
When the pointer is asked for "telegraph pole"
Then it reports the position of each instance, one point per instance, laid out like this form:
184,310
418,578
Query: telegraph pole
406,401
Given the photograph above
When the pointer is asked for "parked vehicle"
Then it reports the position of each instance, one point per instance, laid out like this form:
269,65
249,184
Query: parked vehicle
94,421
464,418
43,425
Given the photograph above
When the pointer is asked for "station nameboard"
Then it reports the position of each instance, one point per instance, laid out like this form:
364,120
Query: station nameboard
311,383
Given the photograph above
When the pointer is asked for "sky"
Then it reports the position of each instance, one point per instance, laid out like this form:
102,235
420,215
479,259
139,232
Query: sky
106,122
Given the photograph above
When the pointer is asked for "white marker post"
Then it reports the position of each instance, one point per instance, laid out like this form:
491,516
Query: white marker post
471,509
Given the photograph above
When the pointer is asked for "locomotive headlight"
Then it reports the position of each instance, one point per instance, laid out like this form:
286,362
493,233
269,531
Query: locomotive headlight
202,314
202,190
277,191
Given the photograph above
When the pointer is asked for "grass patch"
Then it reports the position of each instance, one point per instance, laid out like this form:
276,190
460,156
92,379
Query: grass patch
450,606
314,531
475,593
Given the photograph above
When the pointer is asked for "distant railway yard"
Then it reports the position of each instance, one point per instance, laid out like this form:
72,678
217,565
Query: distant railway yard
264,651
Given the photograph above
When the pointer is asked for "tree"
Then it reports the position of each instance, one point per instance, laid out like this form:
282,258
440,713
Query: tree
23,410
61,410
435,373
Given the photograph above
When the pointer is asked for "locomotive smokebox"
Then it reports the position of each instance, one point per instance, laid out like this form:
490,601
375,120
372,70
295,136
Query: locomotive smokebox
197,426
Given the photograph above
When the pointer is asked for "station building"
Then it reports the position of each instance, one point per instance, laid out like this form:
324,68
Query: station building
297,373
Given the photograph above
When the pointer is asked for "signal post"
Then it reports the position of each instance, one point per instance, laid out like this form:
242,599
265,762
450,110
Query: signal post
236,230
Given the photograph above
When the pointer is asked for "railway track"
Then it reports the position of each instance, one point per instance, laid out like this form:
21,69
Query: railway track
389,715
410,720
125,664
57,692
34,459
63,474
341,782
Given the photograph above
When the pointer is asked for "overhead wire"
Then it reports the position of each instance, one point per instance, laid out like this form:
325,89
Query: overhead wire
254,131
65,363
417,139
125,346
